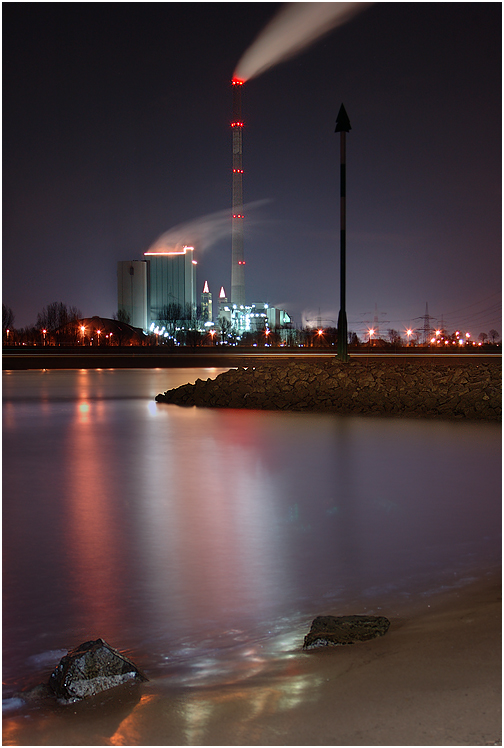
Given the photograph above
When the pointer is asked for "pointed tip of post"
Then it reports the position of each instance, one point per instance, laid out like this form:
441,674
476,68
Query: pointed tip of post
342,121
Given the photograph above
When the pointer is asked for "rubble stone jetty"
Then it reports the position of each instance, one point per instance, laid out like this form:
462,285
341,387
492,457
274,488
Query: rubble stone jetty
433,388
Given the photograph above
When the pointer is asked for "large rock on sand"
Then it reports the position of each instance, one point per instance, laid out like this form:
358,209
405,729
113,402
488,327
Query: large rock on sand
339,630
90,668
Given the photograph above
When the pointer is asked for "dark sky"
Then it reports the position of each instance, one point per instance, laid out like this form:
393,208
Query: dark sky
116,128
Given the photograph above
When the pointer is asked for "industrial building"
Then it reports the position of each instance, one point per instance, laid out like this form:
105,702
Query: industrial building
206,304
132,291
172,280
145,288
167,276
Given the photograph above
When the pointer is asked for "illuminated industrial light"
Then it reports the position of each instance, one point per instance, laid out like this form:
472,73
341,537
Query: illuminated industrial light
173,252
237,82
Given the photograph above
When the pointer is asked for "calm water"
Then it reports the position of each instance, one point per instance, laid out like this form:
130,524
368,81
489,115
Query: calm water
205,541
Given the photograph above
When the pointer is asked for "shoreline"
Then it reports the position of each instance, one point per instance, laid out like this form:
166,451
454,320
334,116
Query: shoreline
433,679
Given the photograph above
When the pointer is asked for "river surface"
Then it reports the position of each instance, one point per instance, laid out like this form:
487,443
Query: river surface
203,542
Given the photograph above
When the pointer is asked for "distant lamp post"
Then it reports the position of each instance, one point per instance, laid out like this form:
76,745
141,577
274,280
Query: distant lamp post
98,332
83,330
44,334
342,126
7,333
409,333
212,335
371,333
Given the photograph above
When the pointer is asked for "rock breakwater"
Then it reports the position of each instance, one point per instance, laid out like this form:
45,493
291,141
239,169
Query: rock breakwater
434,388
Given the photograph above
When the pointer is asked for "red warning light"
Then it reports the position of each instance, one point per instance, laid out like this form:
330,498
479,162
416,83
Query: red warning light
236,124
237,82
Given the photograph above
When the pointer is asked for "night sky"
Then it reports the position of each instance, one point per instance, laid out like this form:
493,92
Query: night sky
117,128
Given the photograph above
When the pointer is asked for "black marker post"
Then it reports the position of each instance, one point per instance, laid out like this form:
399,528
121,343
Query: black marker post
342,126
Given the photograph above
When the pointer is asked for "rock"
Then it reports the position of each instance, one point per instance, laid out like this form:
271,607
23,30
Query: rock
407,388
90,668
339,630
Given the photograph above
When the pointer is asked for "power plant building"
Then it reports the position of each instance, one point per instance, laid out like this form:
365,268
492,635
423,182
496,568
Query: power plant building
167,277
171,280
132,291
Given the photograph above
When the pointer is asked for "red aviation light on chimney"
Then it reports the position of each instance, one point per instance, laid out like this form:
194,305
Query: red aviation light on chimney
236,124
237,82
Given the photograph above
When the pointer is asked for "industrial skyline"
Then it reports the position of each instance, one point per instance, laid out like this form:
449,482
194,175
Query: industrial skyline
115,132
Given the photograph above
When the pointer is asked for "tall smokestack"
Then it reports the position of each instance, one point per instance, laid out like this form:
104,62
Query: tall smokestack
237,261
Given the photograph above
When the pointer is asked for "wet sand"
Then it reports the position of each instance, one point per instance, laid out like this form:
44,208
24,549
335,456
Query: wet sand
433,679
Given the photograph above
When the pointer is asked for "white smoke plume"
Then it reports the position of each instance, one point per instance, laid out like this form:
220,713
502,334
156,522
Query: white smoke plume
312,318
203,232
293,28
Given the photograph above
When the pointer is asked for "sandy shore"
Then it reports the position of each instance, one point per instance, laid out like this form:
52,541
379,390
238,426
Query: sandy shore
434,679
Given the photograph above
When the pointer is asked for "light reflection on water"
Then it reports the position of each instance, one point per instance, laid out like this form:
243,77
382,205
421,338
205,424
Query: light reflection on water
203,541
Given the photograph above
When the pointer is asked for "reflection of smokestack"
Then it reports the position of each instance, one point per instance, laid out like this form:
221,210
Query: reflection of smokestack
237,261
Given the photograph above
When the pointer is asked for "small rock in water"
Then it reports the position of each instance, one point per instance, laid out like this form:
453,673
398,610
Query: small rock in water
90,668
339,630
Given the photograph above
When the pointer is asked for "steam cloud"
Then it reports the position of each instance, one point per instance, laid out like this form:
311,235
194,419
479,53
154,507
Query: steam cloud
294,27
202,232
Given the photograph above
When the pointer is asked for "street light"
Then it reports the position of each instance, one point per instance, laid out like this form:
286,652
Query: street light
83,330
98,332
44,334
